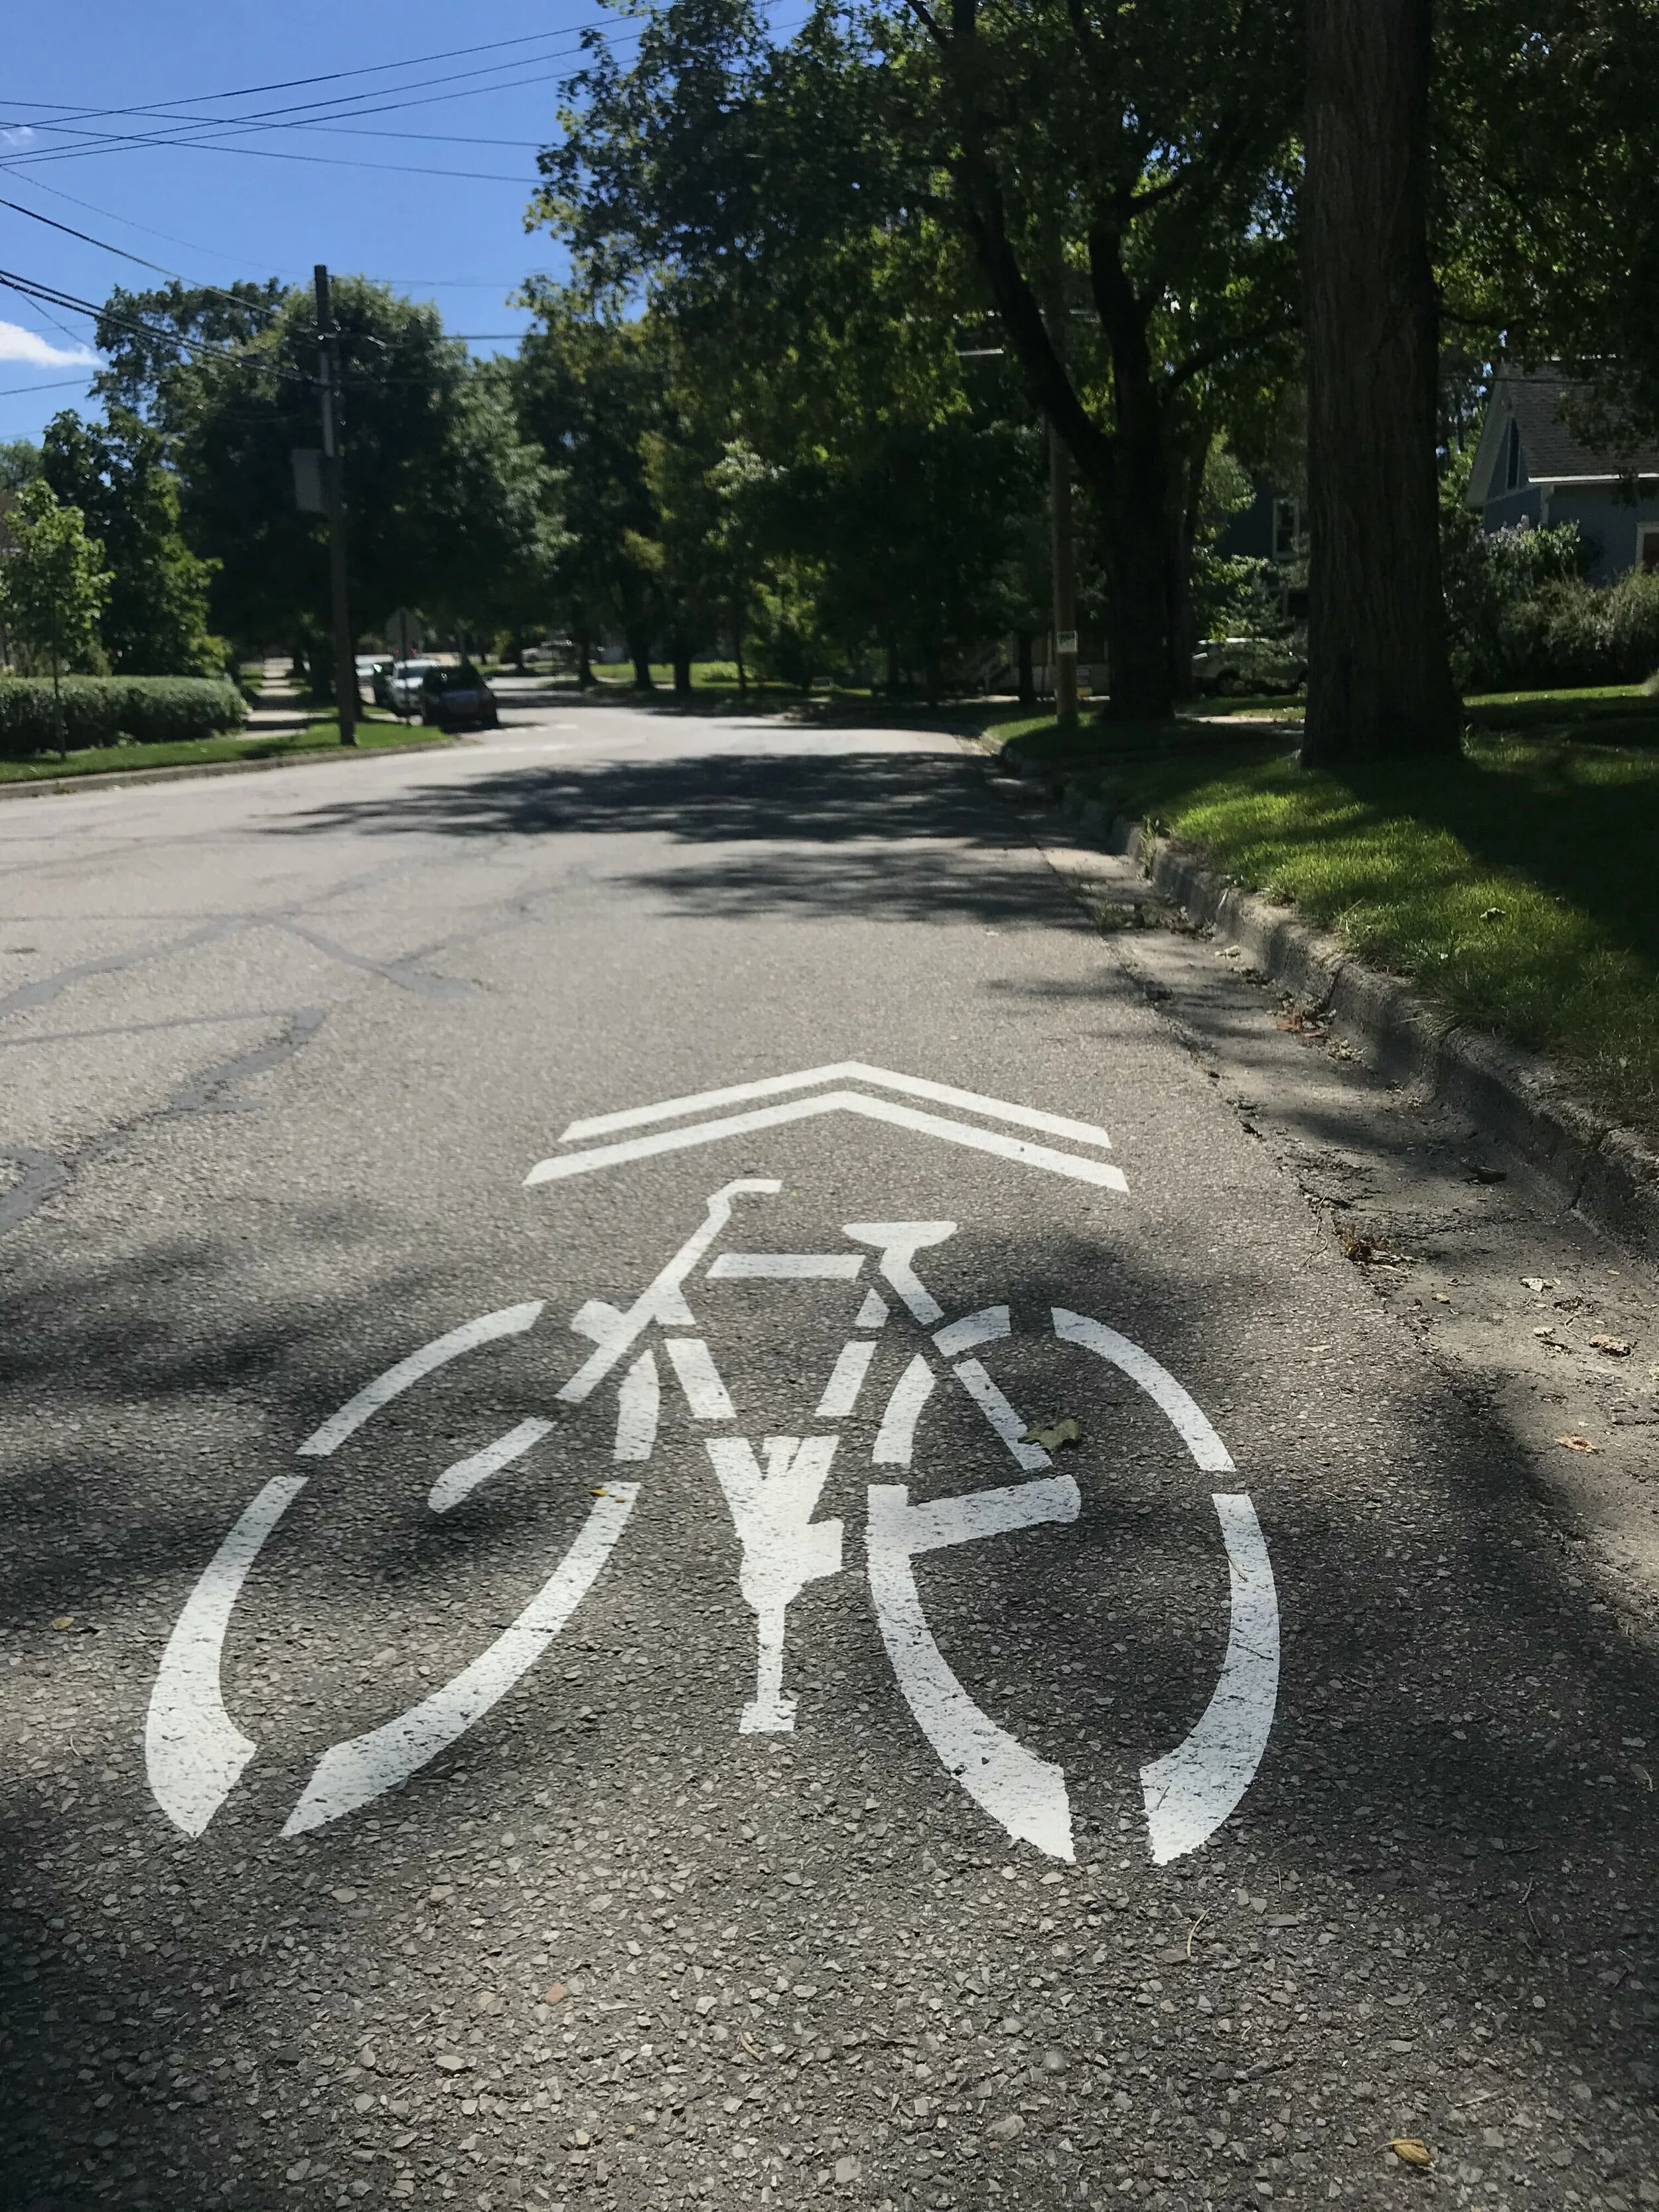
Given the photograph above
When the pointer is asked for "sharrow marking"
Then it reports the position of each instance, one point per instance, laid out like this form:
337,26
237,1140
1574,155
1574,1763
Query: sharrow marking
193,1751
899,1243
783,1550
638,1406
786,1267
661,1300
841,1070
1008,1424
872,1314
1070,1165
850,1071
454,1484
1206,1448
986,1328
896,1438
353,1773
707,1395
511,1321
841,1392
1024,1793
1191,1790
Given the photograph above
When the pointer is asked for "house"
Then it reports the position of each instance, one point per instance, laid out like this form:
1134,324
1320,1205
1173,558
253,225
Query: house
1533,464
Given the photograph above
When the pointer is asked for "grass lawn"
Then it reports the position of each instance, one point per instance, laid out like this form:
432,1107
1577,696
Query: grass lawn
322,736
1517,884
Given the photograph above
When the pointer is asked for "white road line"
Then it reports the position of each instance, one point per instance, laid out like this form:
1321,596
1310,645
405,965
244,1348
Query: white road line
899,1243
699,1378
193,1751
1024,1793
661,1300
872,1314
986,1328
353,1773
896,1437
786,1266
638,1406
1190,1791
841,1070
456,1481
841,1392
1160,1386
1008,1424
783,1550
511,1321
1070,1164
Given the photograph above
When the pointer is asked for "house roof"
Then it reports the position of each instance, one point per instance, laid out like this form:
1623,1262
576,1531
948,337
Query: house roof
1553,451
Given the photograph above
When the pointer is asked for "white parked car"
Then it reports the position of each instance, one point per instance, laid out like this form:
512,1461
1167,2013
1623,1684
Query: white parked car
407,678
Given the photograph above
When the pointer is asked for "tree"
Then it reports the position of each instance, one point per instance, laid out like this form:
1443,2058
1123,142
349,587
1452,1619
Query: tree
1379,675
20,463
156,620
1129,172
590,389
52,585
448,508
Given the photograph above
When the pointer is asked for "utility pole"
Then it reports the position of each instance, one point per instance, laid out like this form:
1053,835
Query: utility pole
1059,537
329,384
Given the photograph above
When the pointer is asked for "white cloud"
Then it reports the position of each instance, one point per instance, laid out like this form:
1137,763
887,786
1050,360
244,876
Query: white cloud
18,344
18,137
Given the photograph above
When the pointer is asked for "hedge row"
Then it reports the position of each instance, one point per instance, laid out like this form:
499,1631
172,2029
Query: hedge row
101,710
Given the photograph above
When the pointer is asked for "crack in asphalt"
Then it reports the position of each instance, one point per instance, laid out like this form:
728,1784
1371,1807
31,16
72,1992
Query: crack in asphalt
47,1173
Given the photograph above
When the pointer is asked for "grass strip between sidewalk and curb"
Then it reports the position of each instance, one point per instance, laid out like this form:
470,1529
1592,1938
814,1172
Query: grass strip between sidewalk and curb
1515,886
322,736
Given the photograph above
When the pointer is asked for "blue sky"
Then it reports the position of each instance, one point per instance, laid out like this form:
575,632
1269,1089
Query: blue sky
438,207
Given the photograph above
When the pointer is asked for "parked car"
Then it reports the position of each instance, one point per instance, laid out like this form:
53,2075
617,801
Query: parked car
458,698
404,685
374,670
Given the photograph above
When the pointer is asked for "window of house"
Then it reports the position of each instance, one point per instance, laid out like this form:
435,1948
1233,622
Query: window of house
1512,458
1287,528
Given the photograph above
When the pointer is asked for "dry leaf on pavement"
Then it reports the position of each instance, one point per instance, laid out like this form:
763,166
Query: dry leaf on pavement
1410,2152
1576,1443
1618,1346
1053,1435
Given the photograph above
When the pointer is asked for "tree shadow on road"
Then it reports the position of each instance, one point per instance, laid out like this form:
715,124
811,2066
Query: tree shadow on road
907,836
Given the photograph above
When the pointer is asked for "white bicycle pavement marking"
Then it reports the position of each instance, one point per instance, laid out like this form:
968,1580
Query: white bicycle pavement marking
352,1773
459,1480
194,1752
783,1549
1025,1793
511,1321
196,1755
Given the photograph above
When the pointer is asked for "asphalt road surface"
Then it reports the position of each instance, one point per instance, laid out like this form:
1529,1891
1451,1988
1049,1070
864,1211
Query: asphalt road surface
904,1631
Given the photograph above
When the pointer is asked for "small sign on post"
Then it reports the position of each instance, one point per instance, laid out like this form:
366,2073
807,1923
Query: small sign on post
1066,645
309,495
404,633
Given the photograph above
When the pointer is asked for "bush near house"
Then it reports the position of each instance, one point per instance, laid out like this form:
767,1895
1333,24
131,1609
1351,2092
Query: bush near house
103,710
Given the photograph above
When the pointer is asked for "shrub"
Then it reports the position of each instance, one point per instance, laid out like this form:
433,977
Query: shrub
101,710
1574,632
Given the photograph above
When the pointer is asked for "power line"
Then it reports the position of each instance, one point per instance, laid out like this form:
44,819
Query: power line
59,384
327,76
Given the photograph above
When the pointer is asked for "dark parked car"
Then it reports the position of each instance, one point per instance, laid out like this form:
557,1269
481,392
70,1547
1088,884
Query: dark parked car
458,699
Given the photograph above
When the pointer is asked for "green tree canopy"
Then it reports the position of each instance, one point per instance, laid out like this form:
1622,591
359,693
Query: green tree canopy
447,508
155,622
53,585
1115,189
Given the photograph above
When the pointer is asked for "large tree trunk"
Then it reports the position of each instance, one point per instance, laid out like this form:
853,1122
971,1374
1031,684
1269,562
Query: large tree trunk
1379,680
1027,673
638,651
682,659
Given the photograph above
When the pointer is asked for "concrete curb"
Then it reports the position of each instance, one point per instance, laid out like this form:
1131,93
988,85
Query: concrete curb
104,778
1600,1168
